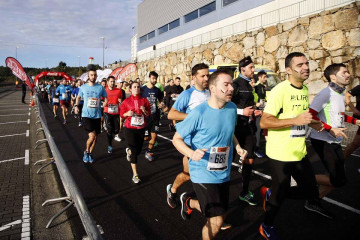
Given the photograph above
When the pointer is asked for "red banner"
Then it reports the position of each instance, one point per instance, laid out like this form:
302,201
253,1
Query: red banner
116,72
18,71
52,74
127,70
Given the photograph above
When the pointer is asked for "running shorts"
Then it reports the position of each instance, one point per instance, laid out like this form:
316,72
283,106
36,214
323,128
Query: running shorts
92,124
152,123
64,103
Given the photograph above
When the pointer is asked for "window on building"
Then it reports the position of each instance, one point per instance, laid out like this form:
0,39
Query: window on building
174,24
151,34
227,2
143,38
191,16
207,9
164,29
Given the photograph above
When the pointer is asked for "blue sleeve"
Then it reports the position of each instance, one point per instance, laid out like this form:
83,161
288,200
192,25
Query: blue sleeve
80,92
103,94
57,90
189,125
182,102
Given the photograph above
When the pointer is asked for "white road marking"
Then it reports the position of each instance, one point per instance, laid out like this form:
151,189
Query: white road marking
27,133
9,160
27,155
15,122
12,135
9,225
25,226
12,109
28,121
12,115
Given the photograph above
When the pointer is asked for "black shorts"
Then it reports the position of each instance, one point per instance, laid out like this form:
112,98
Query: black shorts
152,124
112,122
213,198
92,124
246,137
332,157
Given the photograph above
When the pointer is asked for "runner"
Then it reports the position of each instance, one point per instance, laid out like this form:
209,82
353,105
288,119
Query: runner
80,105
329,107
23,89
103,126
48,85
246,126
55,98
91,112
185,103
134,109
173,93
154,96
111,111
64,90
211,127
286,117
120,84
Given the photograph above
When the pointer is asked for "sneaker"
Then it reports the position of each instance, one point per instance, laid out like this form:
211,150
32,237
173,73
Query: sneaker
149,156
102,129
86,157
268,232
91,159
80,124
225,226
317,208
136,179
249,198
128,155
171,197
110,149
55,116
259,154
185,208
64,122
156,144
265,195
117,138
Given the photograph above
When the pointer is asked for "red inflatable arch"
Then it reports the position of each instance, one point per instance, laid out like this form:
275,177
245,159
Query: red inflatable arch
52,74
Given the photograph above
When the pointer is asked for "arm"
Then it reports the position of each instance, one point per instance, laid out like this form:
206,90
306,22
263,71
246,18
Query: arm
176,115
269,121
242,152
350,104
185,150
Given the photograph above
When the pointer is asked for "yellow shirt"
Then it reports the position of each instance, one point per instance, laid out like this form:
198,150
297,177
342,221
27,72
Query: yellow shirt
286,101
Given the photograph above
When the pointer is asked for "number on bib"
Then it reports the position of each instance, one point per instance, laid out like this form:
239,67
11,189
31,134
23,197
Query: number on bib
137,120
298,131
55,100
218,160
93,103
113,108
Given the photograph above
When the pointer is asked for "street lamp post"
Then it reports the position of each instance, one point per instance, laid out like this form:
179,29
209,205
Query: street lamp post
103,38
16,52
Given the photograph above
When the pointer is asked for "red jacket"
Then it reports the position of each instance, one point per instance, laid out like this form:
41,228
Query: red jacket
134,103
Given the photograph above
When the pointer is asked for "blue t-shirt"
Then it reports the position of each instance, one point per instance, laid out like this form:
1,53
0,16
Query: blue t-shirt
153,95
47,88
92,103
75,93
64,91
211,129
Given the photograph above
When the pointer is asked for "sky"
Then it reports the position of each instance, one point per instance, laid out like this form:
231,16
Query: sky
44,32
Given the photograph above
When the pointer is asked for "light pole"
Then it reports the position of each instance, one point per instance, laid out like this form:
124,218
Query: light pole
103,38
16,52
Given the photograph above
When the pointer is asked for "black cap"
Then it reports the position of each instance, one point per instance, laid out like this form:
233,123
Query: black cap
245,61
91,67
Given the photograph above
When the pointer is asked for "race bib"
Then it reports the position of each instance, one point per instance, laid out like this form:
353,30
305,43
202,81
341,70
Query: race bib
153,108
340,120
93,103
298,131
42,89
113,108
262,104
64,95
175,97
55,100
218,160
137,120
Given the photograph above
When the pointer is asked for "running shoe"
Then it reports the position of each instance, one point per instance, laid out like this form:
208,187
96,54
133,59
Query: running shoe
91,159
80,124
110,149
185,208
265,195
55,116
136,179
259,154
86,157
149,156
249,198
117,138
317,208
171,197
156,144
64,122
128,154
225,226
268,232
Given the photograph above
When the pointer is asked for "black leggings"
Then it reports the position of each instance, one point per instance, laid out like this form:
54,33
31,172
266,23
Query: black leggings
281,173
135,141
112,124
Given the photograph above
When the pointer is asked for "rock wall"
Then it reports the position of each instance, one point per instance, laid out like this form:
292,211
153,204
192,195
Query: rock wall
328,37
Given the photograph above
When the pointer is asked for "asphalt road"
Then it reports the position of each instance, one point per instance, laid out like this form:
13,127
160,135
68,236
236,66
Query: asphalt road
128,211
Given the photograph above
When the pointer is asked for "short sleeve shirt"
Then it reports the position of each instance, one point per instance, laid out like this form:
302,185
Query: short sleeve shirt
285,101
356,93
92,103
210,129
153,95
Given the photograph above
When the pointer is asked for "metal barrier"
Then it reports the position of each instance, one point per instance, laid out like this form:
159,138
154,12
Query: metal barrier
74,196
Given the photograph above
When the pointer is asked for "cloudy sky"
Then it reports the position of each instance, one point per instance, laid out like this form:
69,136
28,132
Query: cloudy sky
45,32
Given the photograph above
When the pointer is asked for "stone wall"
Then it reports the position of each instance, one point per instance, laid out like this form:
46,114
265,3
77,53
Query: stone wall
328,37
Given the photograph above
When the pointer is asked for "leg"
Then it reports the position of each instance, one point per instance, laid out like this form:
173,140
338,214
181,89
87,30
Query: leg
182,177
353,145
90,141
212,227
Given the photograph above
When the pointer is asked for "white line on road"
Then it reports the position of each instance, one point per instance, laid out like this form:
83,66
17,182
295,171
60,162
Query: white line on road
12,109
27,157
15,122
27,133
9,160
269,177
12,135
13,115
28,121
9,225
25,226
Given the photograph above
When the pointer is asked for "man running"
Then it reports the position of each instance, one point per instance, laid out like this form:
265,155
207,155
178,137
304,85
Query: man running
246,127
64,91
111,111
103,126
74,95
329,107
153,95
91,112
23,89
173,94
185,103
55,101
286,117
211,127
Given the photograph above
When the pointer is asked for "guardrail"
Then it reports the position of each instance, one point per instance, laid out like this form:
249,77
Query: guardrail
74,196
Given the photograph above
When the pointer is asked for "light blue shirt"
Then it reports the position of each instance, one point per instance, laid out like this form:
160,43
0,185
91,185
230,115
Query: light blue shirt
64,92
207,128
95,92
